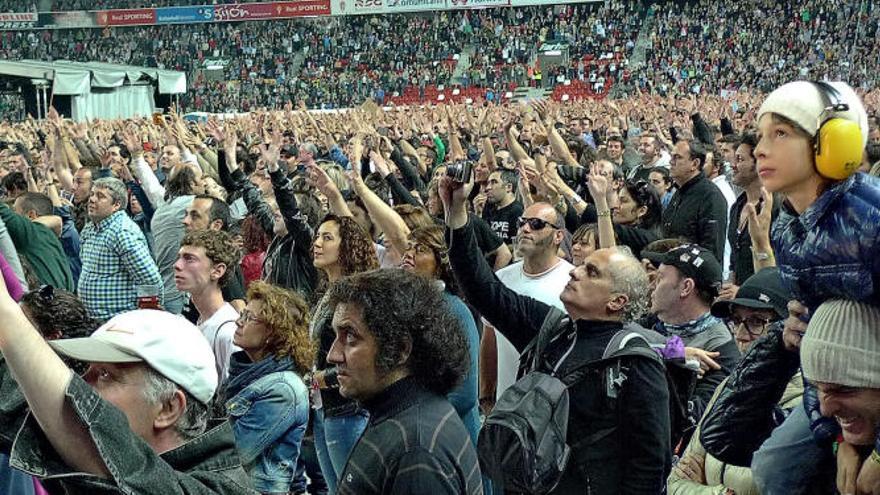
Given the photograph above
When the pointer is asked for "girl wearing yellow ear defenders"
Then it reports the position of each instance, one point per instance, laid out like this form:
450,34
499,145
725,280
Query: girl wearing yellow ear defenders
825,241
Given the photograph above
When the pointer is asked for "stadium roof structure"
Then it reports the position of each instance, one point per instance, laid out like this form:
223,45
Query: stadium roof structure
77,78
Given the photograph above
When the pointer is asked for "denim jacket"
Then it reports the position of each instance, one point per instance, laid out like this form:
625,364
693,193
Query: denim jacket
269,417
206,464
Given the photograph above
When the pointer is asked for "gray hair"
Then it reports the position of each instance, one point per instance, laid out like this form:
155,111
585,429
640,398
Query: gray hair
629,277
158,390
116,188
310,148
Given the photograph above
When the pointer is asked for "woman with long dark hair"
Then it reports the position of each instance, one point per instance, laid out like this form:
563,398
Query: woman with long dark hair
341,247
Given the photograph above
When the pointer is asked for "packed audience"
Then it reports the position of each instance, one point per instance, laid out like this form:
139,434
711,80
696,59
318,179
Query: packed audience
364,301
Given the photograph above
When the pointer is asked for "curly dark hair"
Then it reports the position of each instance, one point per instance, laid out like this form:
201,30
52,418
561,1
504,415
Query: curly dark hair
219,248
356,250
286,314
54,310
404,310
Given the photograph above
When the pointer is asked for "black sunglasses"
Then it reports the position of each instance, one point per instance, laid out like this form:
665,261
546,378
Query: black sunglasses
534,223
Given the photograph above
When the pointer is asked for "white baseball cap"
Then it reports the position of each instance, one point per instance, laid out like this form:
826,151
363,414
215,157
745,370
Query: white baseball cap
170,344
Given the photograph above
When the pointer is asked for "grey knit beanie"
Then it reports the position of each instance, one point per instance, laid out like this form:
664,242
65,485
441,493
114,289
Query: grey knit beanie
842,345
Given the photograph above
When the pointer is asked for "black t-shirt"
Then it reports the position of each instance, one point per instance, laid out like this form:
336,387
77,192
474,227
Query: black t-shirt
234,289
502,221
488,240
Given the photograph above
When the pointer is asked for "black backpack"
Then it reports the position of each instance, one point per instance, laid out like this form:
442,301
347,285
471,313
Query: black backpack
522,445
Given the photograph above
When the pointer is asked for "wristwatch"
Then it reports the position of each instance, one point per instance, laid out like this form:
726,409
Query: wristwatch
762,256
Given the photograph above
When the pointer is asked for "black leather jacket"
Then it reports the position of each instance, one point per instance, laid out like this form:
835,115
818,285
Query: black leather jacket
747,410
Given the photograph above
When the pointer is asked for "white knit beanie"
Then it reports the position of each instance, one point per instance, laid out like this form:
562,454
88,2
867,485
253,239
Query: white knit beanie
842,345
803,103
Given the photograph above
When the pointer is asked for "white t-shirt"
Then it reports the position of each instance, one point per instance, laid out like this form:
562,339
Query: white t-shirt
729,196
545,287
219,329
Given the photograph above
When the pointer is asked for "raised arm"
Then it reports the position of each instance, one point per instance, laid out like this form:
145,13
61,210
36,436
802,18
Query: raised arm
517,317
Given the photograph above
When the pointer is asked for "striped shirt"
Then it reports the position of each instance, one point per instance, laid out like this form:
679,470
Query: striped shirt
415,443
115,260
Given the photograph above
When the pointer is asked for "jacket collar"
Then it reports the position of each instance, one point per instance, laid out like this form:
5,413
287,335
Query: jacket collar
213,450
814,213
689,184
397,397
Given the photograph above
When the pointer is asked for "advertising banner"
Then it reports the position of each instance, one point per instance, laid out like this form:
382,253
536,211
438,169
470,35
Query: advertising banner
244,12
477,4
18,20
302,8
180,15
358,7
72,19
126,17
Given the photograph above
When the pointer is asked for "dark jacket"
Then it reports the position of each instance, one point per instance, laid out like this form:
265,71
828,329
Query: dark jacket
741,263
414,443
831,250
207,464
698,212
746,410
288,259
636,458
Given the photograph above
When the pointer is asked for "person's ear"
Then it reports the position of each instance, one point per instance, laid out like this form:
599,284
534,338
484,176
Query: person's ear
171,410
617,303
641,211
558,237
218,270
216,225
688,287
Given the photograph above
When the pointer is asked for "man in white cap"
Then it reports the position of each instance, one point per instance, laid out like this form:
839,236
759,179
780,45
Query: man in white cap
840,354
134,423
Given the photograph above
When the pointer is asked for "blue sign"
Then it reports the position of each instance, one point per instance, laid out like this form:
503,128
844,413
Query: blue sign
179,15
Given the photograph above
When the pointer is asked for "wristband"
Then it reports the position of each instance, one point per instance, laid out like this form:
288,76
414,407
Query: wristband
604,213
875,456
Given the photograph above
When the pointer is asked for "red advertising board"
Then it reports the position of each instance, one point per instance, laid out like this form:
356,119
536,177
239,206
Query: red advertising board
126,17
302,8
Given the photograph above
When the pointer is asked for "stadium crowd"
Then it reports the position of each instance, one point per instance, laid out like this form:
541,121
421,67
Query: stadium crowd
630,237
340,62
672,291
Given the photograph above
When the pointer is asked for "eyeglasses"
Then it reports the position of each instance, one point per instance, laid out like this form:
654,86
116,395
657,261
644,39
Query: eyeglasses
754,325
248,317
534,223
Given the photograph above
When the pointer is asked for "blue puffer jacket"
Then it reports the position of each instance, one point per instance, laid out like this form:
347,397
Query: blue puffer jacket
831,251
269,409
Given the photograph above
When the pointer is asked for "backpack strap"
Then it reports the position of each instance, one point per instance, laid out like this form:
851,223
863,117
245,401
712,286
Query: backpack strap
551,327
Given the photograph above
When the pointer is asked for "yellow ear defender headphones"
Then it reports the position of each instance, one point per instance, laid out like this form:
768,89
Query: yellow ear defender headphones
838,141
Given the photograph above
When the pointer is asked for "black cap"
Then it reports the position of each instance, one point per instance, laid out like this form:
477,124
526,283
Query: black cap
693,261
763,290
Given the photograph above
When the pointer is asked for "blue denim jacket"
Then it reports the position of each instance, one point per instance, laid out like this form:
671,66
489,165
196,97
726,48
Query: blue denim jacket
269,418
207,464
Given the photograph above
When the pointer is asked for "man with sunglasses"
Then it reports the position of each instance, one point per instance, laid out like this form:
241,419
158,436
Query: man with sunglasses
540,274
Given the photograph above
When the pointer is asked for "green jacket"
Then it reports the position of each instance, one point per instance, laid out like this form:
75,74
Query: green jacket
41,247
